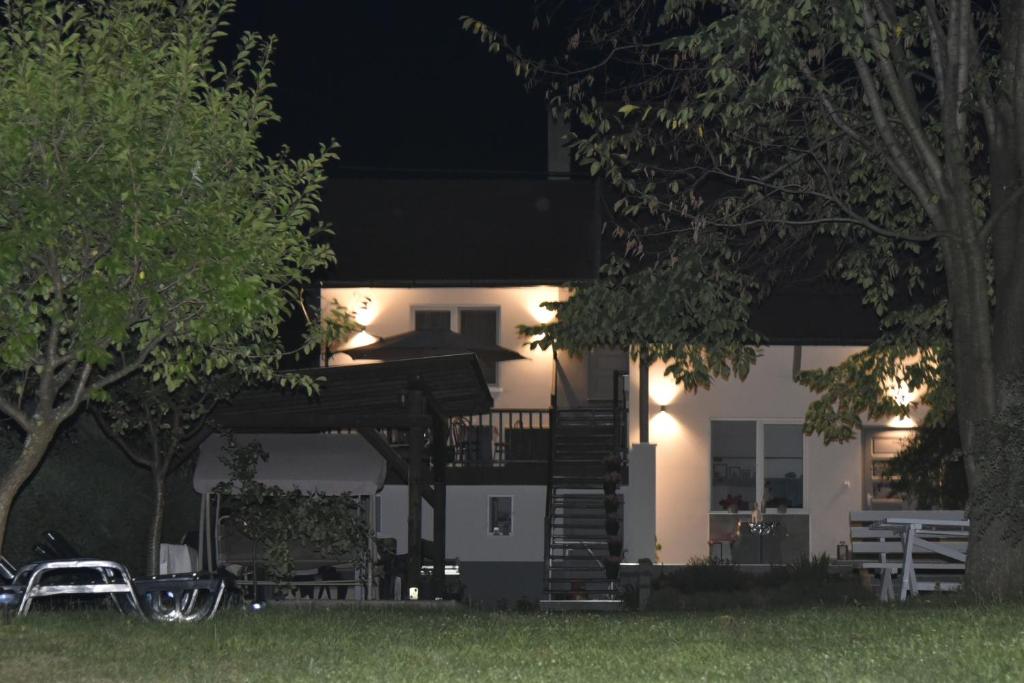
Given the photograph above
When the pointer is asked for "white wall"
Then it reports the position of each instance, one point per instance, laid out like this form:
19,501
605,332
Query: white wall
389,311
683,461
468,538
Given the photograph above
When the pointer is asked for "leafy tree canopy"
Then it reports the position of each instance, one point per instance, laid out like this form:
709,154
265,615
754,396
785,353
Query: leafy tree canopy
876,141
141,227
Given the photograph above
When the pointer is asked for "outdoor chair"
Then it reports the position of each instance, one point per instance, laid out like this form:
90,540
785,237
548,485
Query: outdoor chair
49,578
180,597
62,572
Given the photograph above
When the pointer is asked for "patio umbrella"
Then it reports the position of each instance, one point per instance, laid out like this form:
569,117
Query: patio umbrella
425,343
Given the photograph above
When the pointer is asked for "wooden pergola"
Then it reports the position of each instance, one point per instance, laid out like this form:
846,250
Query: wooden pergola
416,395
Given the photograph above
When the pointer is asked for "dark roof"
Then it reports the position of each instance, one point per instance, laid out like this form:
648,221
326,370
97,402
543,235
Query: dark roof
447,232
357,396
823,312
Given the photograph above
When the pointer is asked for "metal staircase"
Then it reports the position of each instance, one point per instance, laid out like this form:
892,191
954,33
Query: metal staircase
584,511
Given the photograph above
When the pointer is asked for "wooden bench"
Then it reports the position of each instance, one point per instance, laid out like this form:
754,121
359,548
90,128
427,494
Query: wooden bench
879,551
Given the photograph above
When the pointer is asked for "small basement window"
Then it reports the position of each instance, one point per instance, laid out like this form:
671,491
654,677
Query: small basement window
499,519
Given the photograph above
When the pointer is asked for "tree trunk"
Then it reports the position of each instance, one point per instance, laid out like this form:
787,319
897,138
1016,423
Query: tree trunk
996,508
32,451
156,525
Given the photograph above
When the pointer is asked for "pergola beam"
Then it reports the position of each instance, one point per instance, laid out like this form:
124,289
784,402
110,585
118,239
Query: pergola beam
395,461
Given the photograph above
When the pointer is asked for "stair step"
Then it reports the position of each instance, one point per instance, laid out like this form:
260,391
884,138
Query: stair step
586,584
563,543
597,503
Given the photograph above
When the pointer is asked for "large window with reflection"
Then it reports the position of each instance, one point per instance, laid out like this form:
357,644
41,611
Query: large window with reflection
756,461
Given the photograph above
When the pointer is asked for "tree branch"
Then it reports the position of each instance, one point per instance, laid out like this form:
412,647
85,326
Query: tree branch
904,102
893,150
118,440
15,414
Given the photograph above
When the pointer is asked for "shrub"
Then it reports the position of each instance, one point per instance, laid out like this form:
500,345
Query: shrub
702,575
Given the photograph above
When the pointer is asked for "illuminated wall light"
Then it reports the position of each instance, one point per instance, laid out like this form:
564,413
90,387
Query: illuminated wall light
542,315
664,426
663,391
365,316
900,392
535,298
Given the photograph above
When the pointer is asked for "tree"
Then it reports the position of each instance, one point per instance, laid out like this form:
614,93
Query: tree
160,431
141,227
279,520
746,141
929,469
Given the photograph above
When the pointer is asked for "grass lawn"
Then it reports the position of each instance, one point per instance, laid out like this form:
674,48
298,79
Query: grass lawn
872,643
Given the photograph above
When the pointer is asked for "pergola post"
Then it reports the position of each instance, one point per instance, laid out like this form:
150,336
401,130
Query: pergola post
440,458
415,405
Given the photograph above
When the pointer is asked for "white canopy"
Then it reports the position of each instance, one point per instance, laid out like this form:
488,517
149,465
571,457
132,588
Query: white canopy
326,463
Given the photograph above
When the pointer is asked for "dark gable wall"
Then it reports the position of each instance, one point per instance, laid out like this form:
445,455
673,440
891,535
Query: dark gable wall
440,231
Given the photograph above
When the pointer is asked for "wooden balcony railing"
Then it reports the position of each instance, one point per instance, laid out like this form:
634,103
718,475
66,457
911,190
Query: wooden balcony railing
501,437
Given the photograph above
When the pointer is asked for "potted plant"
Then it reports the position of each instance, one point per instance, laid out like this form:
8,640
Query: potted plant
733,503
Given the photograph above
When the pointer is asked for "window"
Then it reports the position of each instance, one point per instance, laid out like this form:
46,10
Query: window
754,461
479,325
433,320
499,518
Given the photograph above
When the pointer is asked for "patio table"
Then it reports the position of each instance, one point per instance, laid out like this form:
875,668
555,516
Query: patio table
921,534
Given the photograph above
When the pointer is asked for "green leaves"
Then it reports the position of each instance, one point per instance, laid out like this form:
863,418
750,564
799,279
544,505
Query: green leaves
759,160
279,520
135,200
141,227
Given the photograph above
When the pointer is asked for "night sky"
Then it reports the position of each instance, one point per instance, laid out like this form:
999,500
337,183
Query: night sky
398,84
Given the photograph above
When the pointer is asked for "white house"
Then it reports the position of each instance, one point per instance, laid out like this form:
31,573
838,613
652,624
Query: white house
479,258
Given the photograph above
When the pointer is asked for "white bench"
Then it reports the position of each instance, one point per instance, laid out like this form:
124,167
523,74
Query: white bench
938,551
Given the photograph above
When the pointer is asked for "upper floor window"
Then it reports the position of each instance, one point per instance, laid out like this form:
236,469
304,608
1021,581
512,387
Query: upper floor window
433,320
477,324
755,461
